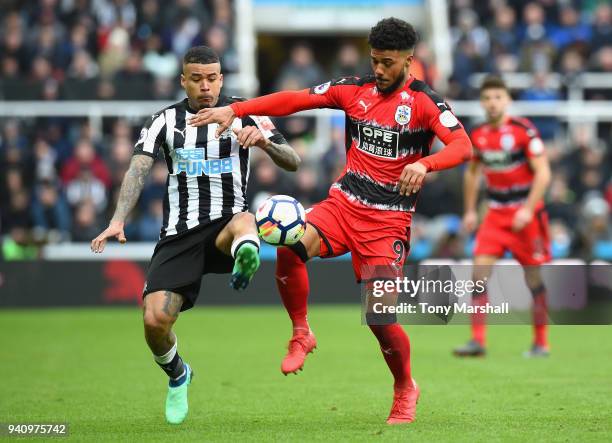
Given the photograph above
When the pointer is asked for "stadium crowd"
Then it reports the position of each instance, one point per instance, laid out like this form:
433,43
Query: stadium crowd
59,177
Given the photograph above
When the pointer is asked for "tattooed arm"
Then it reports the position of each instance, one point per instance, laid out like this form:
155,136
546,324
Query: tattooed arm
128,196
281,154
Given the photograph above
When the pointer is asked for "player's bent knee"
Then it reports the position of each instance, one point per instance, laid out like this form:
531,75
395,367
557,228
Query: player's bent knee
533,277
242,221
157,321
155,317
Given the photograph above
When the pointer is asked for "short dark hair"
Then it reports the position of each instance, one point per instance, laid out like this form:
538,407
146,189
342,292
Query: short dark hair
392,33
493,82
201,54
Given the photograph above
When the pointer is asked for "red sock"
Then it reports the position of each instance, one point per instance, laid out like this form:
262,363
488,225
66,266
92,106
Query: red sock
395,346
479,320
292,283
540,317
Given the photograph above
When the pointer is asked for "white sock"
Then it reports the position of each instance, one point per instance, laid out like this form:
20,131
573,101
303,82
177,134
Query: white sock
250,238
168,356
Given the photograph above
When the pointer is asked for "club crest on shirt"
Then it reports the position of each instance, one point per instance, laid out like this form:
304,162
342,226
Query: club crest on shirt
402,114
506,141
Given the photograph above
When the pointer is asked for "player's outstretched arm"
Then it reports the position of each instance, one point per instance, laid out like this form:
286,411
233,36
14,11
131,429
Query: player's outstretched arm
282,154
131,188
277,105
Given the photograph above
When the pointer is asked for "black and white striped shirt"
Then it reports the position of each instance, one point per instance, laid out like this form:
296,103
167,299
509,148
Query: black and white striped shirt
207,176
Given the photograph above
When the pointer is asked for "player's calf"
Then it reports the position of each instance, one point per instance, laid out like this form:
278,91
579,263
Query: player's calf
161,310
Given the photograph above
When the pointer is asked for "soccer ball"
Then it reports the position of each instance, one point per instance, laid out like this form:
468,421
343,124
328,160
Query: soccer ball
281,220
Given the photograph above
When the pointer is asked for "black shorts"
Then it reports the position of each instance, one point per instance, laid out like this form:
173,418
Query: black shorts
179,262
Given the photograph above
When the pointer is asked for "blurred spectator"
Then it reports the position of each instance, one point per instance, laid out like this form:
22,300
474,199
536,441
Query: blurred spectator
602,26
603,59
133,82
266,180
150,223
301,69
114,51
561,201
540,91
308,190
151,20
12,41
536,53
12,137
50,213
465,63
85,226
115,12
572,63
81,80
594,227
156,188
349,62
17,213
17,246
85,159
45,158
158,63
85,187
570,31
586,163
468,29
423,66
534,26
185,28
218,39
503,32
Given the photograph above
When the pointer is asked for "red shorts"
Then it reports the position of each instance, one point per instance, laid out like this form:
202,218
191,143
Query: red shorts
529,246
375,238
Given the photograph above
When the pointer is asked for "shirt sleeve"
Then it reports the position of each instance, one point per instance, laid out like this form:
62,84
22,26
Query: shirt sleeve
534,146
332,94
436,115
336,93
267,128
152,135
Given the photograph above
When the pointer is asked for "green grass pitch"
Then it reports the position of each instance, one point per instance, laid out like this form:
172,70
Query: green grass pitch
92,369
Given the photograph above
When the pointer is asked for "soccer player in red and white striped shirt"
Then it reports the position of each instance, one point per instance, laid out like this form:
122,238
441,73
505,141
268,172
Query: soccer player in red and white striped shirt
510,153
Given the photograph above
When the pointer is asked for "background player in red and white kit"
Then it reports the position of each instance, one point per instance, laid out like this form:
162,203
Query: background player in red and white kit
391,121
512,156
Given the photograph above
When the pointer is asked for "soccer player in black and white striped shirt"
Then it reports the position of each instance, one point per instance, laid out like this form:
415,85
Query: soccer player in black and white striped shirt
206,226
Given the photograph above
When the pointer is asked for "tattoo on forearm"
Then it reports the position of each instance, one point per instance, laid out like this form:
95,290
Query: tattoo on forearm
172,303
283,155
132,186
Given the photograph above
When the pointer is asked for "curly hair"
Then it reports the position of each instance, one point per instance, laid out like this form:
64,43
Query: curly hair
201,54
392,33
